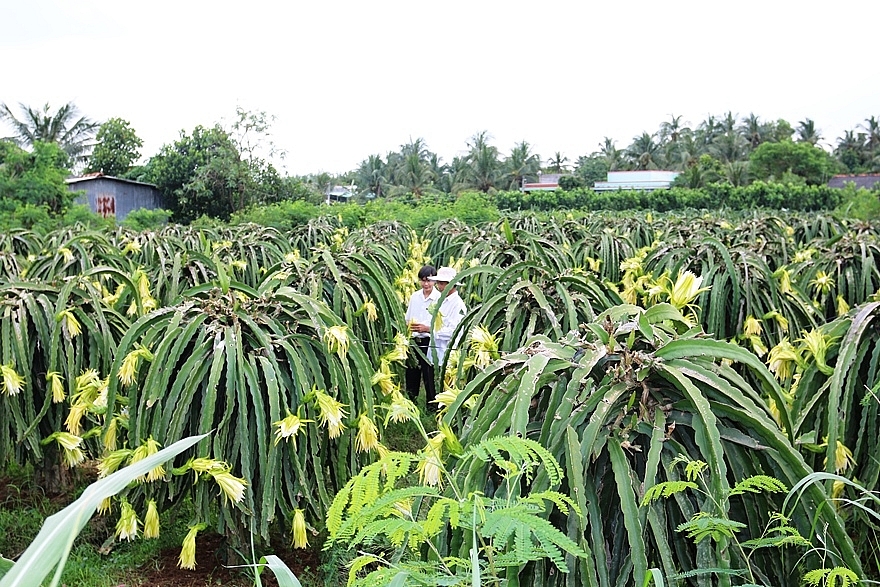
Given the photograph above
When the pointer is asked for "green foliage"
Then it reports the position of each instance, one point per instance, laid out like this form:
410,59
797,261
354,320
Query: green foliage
859,203
509,530
116,150
834,577
146,219
711,196
35,178
773,160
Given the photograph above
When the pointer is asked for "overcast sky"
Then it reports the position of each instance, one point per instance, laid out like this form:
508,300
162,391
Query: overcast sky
349,79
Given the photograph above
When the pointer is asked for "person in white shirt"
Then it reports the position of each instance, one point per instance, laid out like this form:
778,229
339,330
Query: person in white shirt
450,315
418,317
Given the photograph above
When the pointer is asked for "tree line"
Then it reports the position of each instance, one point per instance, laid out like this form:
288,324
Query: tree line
219,170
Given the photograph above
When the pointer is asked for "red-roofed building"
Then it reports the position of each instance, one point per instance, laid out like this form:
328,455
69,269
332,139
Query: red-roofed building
546,182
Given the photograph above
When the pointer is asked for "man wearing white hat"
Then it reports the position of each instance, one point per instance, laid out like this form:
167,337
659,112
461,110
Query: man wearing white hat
451,312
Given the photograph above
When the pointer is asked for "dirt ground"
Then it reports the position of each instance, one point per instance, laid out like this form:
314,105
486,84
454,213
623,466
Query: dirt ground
210,570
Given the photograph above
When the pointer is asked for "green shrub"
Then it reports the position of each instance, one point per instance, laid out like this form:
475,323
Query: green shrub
146,219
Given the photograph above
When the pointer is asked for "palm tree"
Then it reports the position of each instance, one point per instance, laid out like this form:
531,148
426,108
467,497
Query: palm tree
754,131
612,156
557,164
484,166
371,174
521,163
851,150
807,132
644,152
707,132
872,136
66,128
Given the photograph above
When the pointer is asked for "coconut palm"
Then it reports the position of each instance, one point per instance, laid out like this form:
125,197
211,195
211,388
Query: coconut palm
484,167
66,128
371,175
644,152
521,163
558,163
807,132
612,156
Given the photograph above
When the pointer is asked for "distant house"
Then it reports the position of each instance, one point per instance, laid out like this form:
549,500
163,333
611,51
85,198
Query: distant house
339,193
636,180
113,196
546,181
864,180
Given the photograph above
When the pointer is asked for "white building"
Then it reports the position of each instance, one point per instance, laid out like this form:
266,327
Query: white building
636,180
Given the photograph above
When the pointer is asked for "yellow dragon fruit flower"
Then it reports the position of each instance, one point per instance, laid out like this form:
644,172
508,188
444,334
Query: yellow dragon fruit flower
112,461
337,340
128,368
71,325
231,487
368,434
12,383
782,360
331,413
110,434
781,320
816,345
71,451
752,326
187,558
484,345
289,427
842,306
74,417
56,384
686,289
148,448
151,521
384,378
822,283
402,409
430,467
128,525
399,351
369,308
298,529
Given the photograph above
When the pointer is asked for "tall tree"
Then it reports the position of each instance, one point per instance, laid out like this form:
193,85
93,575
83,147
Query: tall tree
371,175
484,167
558,163
34,177
807,132
644,152
610,153
65,127
117,148
520,164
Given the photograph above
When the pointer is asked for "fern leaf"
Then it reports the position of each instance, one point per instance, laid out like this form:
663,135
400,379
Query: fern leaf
665,489
562,502
784,536
526,453
835,577
758,484
703,526
694,468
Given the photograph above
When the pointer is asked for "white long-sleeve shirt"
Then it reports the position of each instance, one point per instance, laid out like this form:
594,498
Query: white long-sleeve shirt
452,311
417,310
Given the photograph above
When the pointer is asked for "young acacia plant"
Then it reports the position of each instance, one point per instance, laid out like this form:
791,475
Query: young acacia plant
444,530
713,523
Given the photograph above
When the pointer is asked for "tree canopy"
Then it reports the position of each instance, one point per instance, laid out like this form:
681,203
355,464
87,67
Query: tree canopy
117,150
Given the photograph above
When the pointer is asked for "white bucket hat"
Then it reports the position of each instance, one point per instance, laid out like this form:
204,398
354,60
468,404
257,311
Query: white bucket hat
446,274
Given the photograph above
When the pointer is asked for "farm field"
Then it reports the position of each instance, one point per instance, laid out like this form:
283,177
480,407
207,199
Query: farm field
685,398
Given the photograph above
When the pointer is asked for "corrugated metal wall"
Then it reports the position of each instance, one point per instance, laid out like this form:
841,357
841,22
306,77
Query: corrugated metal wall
111,197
